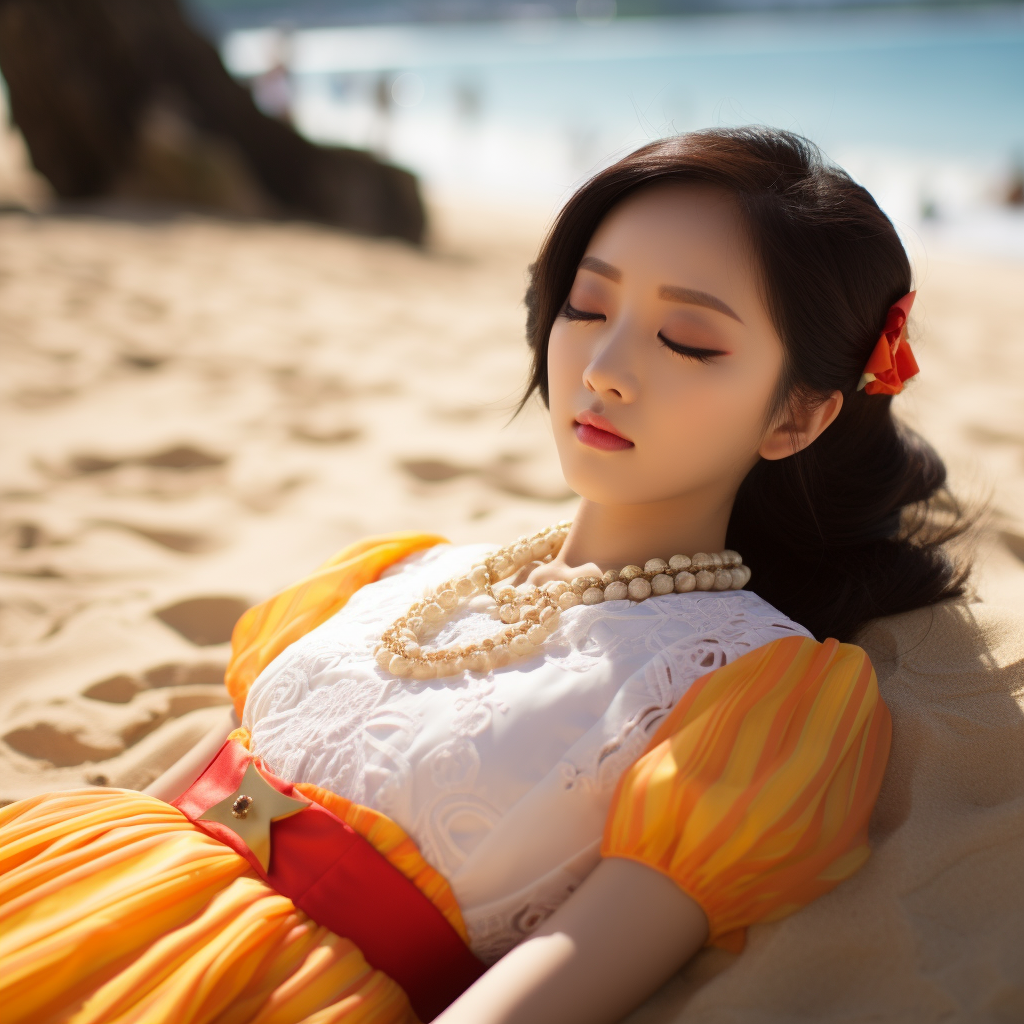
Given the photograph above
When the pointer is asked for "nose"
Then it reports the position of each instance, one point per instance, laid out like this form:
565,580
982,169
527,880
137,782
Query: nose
610,373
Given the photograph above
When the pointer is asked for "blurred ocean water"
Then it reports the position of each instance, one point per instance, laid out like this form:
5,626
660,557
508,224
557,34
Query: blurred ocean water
926,107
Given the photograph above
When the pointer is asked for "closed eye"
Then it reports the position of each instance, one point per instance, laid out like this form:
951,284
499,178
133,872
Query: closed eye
570,312
702,355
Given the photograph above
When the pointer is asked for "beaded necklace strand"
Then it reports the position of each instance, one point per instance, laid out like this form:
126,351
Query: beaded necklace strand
530,614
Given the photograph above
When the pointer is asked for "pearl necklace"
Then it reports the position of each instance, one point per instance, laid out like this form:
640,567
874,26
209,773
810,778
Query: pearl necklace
530,614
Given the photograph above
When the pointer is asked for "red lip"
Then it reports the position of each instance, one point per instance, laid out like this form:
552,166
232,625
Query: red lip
596,432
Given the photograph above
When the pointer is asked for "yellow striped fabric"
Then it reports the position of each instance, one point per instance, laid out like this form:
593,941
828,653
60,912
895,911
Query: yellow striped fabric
755,793
264,631
115,909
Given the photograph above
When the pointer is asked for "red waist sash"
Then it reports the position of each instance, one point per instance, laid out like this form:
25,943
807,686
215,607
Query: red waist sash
336,877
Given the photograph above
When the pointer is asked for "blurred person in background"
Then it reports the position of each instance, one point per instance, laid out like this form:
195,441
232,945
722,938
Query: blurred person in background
273,90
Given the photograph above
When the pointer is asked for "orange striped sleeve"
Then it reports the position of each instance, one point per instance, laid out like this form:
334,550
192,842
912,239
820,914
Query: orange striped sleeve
264,631
754,795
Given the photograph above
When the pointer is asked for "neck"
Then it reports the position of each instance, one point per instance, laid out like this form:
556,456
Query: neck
611,536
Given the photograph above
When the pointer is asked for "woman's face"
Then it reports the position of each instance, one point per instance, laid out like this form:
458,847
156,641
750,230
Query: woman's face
663,362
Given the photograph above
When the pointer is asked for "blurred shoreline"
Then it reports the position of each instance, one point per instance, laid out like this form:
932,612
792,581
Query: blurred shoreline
924,105
219,17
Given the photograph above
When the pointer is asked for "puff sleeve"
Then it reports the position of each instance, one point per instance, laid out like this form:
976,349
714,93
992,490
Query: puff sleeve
755,793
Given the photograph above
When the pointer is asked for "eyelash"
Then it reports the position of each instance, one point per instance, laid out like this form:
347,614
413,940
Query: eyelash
702,355
570,312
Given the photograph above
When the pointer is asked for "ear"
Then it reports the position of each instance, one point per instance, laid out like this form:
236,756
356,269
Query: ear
801,428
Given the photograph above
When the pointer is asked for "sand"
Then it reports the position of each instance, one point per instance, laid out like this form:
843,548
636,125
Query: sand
195,411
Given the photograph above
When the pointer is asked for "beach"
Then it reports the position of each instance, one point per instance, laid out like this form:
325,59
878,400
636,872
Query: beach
196,411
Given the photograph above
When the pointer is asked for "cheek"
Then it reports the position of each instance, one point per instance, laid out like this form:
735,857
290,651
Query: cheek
717,426
565,370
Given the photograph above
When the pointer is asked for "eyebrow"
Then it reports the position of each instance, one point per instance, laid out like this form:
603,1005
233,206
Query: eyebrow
695,298
689,296
600,267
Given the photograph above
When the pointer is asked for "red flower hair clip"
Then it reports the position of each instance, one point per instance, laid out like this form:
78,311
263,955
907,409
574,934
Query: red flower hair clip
891,363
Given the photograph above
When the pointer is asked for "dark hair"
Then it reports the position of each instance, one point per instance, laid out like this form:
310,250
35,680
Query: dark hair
854,526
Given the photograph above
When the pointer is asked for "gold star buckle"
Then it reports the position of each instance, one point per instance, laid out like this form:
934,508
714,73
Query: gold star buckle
250,809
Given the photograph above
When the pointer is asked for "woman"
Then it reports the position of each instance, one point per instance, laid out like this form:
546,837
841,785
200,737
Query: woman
576,760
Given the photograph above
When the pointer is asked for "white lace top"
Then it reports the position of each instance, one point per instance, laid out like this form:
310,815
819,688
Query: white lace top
503,780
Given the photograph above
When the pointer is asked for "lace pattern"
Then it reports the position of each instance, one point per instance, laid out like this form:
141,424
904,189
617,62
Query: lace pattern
503,780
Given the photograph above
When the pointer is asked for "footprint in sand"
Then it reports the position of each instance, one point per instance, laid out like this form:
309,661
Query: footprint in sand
27,536
182,456
507,473
143,360
434,471
126,729
175,540
325,424
25,619
204,620
121,689
517,476
173,472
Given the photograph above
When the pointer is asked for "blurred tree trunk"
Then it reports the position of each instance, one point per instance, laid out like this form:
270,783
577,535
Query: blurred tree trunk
123,97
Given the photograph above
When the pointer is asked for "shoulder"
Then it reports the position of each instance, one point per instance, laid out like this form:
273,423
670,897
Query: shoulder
740,620
755,793
808,683
729,613
691,634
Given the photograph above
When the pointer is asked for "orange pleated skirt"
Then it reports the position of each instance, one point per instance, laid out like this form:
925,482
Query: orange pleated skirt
115,909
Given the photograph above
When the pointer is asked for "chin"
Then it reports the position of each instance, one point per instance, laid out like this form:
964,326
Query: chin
602,485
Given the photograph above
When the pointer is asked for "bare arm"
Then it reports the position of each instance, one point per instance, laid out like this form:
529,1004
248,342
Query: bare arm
188,768
624,932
